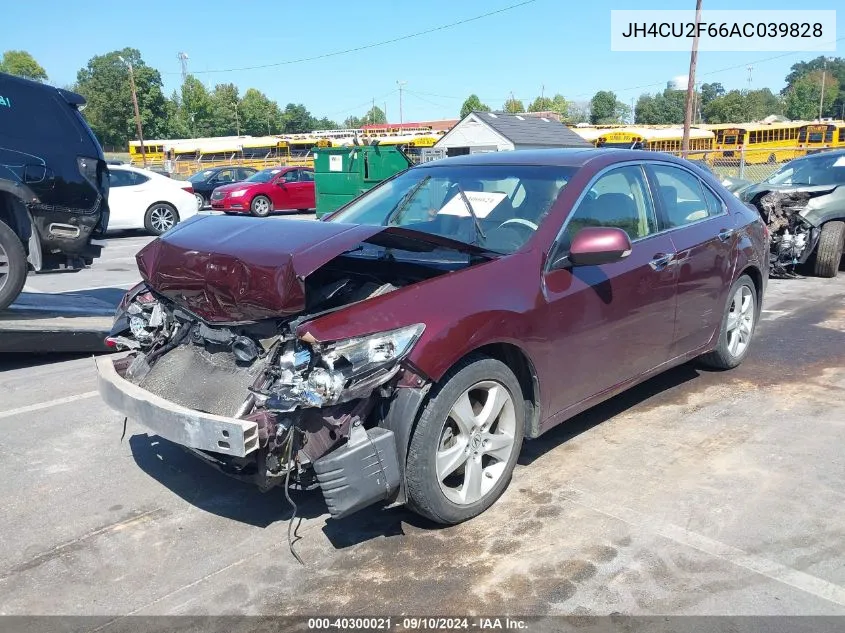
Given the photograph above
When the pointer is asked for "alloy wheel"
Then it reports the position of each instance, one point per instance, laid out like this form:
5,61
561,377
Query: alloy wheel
200,201
740,320
162,218
476,442
261,206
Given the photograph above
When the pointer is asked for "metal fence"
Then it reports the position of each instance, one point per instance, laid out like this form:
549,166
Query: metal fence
754,165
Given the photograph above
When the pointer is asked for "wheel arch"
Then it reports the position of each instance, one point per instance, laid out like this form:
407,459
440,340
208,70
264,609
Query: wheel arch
757,278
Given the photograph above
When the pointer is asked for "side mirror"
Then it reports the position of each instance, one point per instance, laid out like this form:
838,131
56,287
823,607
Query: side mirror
596,245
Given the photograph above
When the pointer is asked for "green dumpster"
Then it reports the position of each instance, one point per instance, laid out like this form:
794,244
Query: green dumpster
342,174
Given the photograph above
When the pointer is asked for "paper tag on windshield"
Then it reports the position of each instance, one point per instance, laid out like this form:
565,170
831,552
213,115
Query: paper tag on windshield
839,162
482,203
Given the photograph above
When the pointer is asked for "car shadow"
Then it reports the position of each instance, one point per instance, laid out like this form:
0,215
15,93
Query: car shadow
206,488
25,360
608,409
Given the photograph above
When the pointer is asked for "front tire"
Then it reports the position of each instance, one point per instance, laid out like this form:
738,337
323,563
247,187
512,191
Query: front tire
160,217
737,329
829,253
13,266
260,206
466,443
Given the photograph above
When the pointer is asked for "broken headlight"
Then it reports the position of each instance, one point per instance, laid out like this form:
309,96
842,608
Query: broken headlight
355,366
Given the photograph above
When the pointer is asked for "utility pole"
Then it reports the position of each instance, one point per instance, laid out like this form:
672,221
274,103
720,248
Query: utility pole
693,60
750,70
401,85
237,118
821,97
137,111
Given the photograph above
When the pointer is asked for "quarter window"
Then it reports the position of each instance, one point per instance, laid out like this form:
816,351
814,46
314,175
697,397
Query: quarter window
682,195
620,199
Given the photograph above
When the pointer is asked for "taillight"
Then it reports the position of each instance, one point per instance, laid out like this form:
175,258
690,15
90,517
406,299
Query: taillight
188,188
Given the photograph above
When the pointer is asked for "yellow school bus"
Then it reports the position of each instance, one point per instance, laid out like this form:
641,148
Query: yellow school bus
821,135
154,149
759,142
656,139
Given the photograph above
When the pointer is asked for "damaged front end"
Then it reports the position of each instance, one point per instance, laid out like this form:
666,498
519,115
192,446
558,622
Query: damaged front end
256,401
257,396
793,235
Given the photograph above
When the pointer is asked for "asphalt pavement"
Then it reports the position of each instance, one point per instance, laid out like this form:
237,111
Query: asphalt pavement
695,493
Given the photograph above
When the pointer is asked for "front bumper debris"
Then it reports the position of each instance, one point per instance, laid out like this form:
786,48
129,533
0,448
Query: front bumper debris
194,429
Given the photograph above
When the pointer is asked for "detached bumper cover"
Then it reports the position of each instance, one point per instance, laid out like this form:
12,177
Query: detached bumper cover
194,429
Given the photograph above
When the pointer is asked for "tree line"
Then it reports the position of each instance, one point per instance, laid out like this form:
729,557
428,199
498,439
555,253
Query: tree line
196,110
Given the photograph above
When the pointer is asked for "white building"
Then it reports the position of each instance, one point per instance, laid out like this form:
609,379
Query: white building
480,132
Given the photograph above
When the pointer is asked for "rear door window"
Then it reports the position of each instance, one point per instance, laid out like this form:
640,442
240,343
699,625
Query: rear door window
682,195
39,114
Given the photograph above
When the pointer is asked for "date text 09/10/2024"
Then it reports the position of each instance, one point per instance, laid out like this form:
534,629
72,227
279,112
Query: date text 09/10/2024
416,624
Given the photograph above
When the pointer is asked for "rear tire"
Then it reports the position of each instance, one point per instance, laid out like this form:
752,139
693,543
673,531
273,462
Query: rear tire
13,266
737,330
260,206
465,445
829,252
160,217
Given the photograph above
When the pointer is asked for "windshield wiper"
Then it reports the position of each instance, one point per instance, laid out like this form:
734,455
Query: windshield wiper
478,231
404,201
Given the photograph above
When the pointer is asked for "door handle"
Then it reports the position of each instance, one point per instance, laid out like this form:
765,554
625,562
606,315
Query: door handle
661,260
725,234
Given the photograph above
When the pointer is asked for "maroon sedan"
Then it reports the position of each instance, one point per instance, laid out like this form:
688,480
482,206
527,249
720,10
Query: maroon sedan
401,351
272,189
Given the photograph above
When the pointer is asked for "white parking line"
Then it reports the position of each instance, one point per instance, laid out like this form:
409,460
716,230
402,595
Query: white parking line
46,405
126,284
752,562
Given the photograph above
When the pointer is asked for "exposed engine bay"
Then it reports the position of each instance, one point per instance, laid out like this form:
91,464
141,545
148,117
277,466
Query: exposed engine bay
793,237
304,396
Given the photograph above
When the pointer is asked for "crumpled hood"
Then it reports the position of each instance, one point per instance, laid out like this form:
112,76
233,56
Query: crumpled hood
812,191
229,269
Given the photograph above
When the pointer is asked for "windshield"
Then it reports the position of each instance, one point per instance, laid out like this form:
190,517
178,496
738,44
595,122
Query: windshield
818,170
201,176
497,207
265,175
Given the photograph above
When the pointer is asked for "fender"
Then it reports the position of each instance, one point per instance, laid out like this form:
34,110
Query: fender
21,219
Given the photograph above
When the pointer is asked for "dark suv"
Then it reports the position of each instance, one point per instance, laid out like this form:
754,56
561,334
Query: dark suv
53,184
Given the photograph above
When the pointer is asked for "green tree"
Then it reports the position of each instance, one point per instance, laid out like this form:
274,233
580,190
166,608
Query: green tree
606,108
762,103
104,83
297,119
22,64
375,115
473,104
664,108
259,115
561,106
835,67
225,114
325,124
803,98
196,109
541,104
513,106
709,92
352,122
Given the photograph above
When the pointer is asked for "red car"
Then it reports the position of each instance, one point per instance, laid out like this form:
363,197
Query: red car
272,189
401,350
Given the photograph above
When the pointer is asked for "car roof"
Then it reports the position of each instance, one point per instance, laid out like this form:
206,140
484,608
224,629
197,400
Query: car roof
558,157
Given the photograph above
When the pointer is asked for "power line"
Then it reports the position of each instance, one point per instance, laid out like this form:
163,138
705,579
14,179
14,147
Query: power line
356,49
361,105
